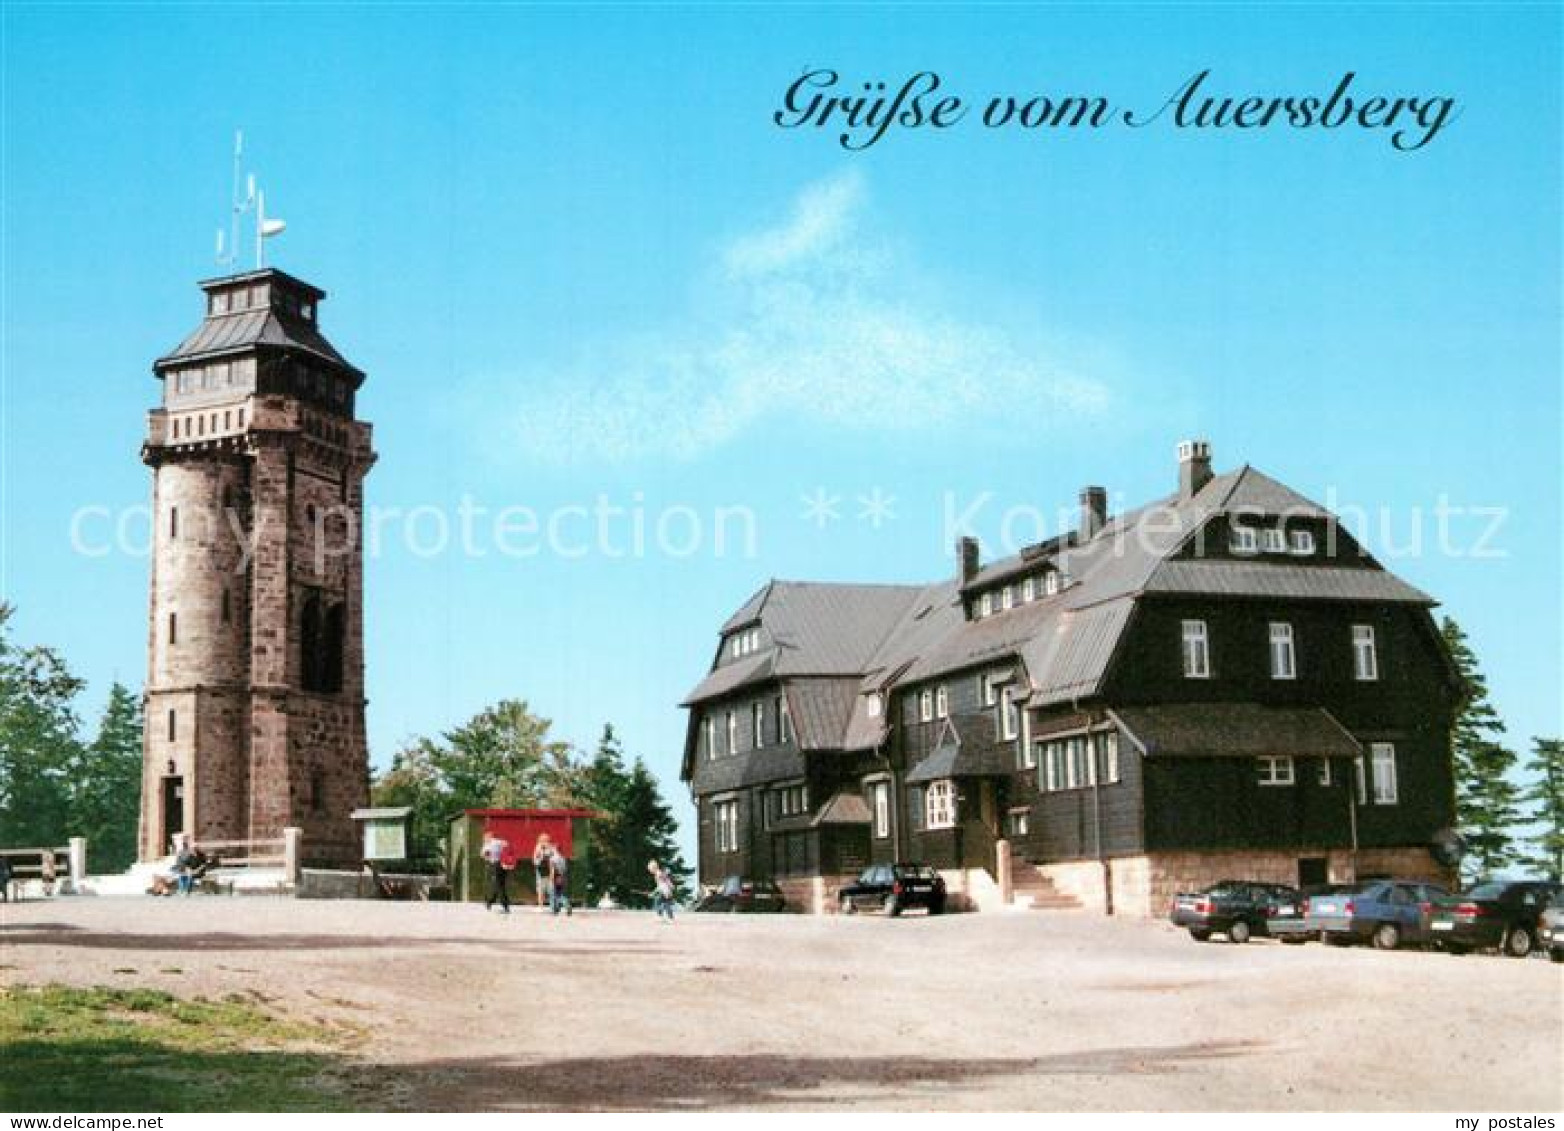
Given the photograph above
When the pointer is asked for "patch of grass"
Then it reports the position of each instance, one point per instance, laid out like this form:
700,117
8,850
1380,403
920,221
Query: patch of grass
103,1049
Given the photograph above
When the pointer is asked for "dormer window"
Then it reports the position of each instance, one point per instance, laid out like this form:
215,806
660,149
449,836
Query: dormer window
219,303
1274,541
1243,540
1006,598
1029,589
1301,542
1051,582
987,605
873,706
926,706
942,702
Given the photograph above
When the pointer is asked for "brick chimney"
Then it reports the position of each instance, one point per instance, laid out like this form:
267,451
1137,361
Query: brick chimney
1094,512
1194,467
966,559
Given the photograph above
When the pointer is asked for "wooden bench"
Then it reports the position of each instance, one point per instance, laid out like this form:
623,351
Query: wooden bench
27,866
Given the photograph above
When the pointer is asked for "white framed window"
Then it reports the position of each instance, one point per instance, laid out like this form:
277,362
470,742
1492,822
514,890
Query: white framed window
1365,654
1051,582
1009,715
1382,755
1029,589
1301,542
1017,823
1325,771
1197,650
872,707
1276,771
1360,775
1053,766
1026,756
757,724
942,701
987,604
1110,756
709,724
733,732
1283,661
1243,540
1273,540
784,720
727,820
1006,598
1074,759
939,805
881,793
792,800
925,705
1089,760
990,690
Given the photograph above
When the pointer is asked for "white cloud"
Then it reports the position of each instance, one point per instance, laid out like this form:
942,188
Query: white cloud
814,319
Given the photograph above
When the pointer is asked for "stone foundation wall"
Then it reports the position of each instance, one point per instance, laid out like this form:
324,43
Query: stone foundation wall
1145,885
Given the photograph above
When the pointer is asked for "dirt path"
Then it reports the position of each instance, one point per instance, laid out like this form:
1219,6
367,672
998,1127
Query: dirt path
472,1011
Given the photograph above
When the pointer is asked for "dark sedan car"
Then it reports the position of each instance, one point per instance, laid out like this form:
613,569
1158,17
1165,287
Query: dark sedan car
1387,913
741,895
893,888
1500,913
1235,908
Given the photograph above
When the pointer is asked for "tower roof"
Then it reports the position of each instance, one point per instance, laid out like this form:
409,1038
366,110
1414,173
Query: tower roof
266,309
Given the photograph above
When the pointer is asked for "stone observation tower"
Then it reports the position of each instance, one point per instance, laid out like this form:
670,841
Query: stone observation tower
255,680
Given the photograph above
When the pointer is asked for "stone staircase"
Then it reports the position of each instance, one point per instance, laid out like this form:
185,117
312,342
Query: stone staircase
1035,891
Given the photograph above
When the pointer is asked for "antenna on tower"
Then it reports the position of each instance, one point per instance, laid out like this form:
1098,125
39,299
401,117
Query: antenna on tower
245,197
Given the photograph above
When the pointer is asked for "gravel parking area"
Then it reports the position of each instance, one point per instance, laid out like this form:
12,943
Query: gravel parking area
476,1011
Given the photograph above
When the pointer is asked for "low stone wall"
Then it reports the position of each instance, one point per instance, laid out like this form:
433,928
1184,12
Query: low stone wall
1145,885
813,895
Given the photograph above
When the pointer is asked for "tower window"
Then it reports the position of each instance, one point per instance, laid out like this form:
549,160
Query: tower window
322,629
173,628
173,725
226,610
173,522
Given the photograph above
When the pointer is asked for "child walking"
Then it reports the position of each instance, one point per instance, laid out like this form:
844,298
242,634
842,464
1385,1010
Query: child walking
662,891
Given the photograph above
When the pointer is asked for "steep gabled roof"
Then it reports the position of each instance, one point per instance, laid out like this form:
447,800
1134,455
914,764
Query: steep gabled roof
808,628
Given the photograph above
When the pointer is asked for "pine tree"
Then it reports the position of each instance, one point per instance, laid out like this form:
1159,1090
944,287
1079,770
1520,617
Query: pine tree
1546,796
604,784
38,742
648,831
104,785
1486,800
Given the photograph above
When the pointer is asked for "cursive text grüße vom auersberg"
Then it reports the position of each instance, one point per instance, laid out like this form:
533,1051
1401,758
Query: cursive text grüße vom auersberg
819,99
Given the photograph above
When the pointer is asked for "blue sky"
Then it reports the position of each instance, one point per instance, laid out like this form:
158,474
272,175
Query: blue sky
577,260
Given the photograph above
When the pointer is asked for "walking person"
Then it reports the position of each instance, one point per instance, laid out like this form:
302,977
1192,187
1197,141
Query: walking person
662,891
46,872
493,852
559,883
542,869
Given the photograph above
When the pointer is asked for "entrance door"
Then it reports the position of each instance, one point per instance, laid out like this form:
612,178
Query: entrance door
1312,871
173,810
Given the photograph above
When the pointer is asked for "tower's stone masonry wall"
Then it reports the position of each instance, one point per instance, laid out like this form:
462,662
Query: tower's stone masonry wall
249,519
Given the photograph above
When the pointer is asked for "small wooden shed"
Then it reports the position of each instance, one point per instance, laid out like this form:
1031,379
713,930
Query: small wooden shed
519,828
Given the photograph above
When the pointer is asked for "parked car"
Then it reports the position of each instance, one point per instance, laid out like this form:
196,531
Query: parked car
740,894
893,888
1550,928
1238,909
1289,922
1387,913
1505,914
